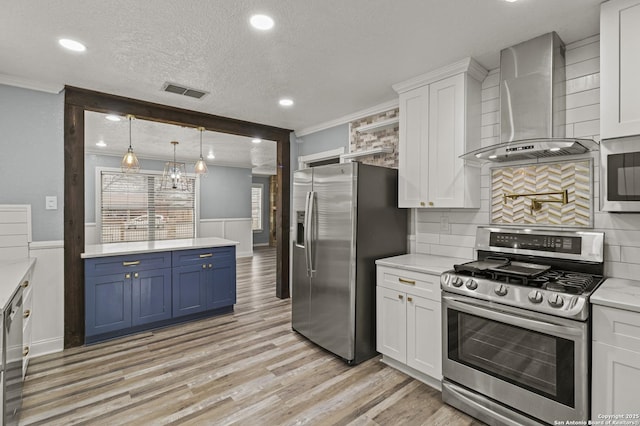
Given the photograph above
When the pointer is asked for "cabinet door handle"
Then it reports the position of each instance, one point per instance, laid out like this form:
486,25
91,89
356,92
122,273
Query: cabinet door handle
25,284
210,266
202,256
410,299
135,262
204,266
406,281
431,203
27,313
422,204
400,297
136,275
25,351
127,276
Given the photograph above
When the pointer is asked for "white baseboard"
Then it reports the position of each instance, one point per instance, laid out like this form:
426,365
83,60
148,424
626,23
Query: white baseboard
244,254
46,347
260,244
428,380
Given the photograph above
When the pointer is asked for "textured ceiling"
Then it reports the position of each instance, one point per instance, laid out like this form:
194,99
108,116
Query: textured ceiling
332,57
151,140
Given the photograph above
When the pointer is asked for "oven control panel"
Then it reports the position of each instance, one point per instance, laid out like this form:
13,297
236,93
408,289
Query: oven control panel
533,299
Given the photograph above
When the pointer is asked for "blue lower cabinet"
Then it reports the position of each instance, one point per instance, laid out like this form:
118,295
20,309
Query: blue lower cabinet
107,303
221,286
126,294
151,296
188,290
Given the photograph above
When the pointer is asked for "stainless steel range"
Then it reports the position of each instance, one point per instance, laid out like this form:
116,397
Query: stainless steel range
516,327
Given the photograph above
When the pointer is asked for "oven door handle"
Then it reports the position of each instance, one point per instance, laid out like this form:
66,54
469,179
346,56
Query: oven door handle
514,319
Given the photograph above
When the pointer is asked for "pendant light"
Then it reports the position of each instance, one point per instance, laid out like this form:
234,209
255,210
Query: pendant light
175,174
201,166
130,162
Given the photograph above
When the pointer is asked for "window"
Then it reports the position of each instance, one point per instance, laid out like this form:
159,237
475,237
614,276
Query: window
134,208
256,207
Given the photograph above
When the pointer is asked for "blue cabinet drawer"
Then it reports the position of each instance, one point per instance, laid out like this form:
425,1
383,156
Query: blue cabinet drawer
215,255
133,262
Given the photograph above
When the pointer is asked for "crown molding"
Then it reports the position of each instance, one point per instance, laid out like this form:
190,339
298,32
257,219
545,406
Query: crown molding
11,80
386,106
468,65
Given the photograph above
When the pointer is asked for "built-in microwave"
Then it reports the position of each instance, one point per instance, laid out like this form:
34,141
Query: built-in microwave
620,175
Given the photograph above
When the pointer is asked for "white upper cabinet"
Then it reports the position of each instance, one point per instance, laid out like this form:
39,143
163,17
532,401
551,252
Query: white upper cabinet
439,121
619,68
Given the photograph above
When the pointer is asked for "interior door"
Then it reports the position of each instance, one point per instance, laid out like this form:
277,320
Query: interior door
300,280
333,258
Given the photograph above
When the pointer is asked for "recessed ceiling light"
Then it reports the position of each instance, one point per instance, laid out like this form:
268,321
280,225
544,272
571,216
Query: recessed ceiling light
256,140
101,144
493,156
112,117
286,102
511,1
76,46
210,156
261,22
554,149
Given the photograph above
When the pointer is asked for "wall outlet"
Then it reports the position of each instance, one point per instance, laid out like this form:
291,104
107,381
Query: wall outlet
51,202
444,223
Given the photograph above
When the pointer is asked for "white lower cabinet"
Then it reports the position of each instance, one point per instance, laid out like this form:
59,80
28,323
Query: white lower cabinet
408,321
616,363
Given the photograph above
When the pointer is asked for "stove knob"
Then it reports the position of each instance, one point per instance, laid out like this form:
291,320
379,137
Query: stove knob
444,278
535,296
456,281
501,290
556,301
472,284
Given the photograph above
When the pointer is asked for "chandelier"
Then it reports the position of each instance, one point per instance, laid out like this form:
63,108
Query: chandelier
175,174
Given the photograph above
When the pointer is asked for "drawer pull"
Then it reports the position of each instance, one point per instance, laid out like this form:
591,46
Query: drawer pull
202,256
25,284
134,263
25,351
27,313
406,281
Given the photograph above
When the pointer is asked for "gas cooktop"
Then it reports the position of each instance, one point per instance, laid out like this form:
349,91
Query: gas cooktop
552,272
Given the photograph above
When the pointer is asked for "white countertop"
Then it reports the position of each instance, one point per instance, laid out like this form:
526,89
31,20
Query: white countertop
116,249
618,293
426,263
12,273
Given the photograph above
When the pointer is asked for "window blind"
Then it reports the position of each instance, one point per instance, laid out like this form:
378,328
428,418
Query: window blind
256,207
134,208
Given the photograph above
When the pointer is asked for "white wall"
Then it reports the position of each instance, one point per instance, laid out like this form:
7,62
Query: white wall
622,231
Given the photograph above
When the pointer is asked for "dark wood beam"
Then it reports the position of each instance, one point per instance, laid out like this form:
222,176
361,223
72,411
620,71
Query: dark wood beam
73,225
77,101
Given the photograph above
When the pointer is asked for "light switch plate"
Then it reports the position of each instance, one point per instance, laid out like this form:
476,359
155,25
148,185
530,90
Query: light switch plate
51,202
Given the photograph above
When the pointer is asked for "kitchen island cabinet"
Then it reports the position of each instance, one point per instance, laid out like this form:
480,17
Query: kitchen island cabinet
408,314
129,290
616,349
440,121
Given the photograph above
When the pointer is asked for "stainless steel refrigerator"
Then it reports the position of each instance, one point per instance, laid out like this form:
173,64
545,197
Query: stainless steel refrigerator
345,218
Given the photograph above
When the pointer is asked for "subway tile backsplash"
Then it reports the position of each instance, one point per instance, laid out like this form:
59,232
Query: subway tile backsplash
622,231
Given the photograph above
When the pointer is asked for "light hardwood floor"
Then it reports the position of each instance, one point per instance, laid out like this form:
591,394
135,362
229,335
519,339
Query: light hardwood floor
246,368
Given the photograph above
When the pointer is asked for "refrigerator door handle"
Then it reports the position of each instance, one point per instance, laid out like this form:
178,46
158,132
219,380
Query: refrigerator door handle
307,249
310,231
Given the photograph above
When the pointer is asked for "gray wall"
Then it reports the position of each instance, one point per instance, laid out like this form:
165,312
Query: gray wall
224,193
263,236
324,140
32,147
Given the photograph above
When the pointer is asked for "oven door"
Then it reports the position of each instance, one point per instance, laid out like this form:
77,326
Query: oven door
534,363
620,175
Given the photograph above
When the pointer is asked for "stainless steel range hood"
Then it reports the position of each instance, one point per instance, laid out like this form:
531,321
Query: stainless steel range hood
532,104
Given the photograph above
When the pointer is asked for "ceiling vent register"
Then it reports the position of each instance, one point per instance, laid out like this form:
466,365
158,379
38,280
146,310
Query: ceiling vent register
183,90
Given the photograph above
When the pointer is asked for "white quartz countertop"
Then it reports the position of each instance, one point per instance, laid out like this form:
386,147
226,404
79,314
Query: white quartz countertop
618,293
116,249
12,273
426,263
